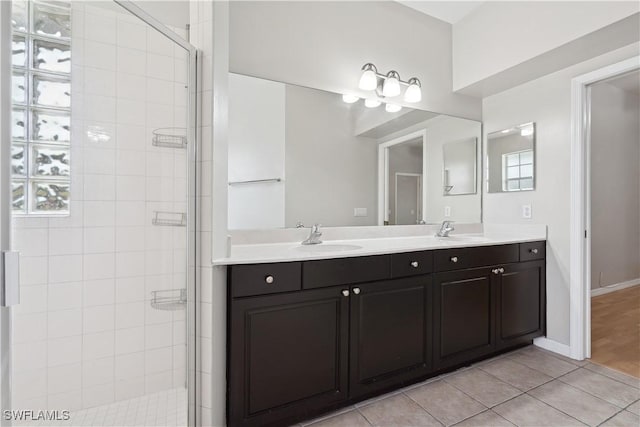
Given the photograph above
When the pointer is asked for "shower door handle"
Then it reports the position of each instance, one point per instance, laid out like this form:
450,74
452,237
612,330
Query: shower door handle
9,278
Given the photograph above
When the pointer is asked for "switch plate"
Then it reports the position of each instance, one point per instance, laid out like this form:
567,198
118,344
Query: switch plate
526,211
359,211
447,211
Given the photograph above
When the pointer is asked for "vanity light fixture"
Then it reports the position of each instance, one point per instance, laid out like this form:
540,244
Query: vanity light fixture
390,84
372,103
392,108
350,99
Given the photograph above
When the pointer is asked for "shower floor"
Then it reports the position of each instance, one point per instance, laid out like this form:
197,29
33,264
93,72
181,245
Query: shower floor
165,408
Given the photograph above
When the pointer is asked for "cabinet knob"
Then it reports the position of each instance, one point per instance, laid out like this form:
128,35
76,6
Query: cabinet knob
495,271
533,251
345,292
415,264
454,259
501,270
356,291
269,279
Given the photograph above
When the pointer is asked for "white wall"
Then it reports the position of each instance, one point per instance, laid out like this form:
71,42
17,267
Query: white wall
256,151
615,185
324,45
85,333
524,30
403,158
546,101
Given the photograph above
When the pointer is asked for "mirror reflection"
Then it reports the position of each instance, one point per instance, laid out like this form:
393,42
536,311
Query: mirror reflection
459,174
300,156
511,159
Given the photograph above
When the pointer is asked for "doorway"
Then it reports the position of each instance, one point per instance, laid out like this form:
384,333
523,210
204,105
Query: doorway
408,198
589,204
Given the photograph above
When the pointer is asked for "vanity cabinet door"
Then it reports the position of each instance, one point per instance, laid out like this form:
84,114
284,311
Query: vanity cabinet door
520,303
288,356
390,333
464,316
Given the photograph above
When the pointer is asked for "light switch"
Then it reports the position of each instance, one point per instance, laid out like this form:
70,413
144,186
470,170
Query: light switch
359,211
526,211
447,211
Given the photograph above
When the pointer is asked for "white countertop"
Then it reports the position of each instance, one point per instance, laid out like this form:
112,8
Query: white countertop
294,251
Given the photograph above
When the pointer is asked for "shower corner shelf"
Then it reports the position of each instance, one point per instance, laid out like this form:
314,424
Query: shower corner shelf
172,219
170,138
169,299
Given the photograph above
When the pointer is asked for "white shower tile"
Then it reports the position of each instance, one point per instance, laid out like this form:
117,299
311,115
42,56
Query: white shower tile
158,360
129,315
130,388
98,395
99,187
31,241
99,266
100,161
98,292
131,112
71,400
99,27
65,241
99,214
129,289
132,61
132,35
98,318
160,66
29,384
130,188
100,108
129,340
33,270
98,371
33,299
157,336
130,239
99,345
64,323
100,55
65,268
129,366
159,43
99,239
64,378
98,81
29,327
158,381
131,86
64,350
159,115
154,316
130,162
130,213
130,264
64,296
29,356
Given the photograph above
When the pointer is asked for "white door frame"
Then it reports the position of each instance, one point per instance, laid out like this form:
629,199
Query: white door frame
383,173
580,222
418,195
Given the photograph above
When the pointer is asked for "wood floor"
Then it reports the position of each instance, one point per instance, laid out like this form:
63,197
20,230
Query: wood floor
615,330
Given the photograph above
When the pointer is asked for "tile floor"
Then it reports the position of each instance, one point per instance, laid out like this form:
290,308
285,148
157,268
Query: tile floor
527,387
166,408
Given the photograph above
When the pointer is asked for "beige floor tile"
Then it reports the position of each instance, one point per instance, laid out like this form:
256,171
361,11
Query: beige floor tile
516,374
347,419
572,401
397,410
634,407
445,402
623,419
616,375
603,387
485,419
532,349
525,411
483,387
543,362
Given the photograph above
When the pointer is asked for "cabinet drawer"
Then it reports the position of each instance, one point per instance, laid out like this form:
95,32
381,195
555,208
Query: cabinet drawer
342,271
411,263
260,279
459,258
532,250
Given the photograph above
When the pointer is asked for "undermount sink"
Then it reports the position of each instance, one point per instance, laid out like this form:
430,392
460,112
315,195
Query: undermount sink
460,238
328,248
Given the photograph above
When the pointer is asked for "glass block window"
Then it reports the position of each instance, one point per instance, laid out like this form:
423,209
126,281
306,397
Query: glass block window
517,171
41,96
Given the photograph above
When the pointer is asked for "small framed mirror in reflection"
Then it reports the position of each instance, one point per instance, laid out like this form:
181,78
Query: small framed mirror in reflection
511,159
459,167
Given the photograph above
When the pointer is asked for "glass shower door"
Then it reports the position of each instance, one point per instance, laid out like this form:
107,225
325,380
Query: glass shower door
100,170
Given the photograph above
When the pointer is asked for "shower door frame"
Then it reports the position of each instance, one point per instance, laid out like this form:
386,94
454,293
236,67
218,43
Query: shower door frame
192,205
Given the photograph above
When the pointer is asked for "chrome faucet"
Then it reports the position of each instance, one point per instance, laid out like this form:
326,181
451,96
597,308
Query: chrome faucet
314,236
445,229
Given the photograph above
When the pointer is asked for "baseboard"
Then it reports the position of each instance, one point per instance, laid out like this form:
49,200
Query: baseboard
554,346
615,287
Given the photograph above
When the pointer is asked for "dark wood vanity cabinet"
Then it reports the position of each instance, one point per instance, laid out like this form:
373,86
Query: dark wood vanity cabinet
464,318
288,355
390,339
307,337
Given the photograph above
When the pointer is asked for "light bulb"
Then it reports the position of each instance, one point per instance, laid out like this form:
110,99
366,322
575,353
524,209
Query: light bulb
372,103
392,108
369,79
413,92
350,99
391,86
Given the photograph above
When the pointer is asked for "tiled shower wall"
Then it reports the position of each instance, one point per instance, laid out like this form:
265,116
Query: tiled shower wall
85,333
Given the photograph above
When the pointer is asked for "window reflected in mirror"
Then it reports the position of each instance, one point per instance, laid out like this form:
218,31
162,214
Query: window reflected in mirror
511,159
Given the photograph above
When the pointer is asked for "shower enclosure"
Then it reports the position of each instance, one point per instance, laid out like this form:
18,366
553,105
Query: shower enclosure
98,199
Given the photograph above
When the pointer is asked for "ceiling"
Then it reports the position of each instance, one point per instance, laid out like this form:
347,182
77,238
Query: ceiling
449,11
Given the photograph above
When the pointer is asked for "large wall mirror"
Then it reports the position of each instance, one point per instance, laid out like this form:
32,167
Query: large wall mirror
299,156
511,159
